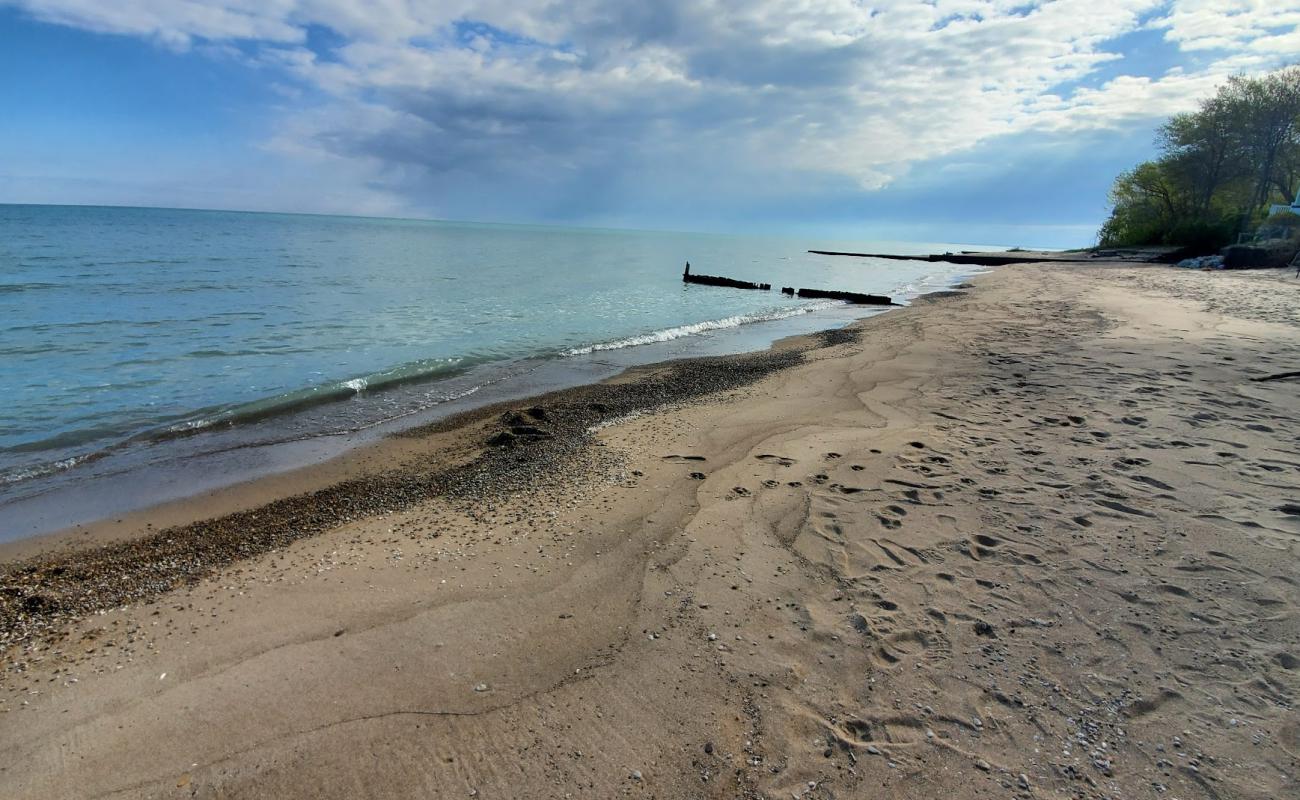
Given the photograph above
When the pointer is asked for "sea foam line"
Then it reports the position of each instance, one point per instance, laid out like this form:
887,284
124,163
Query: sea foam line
696,328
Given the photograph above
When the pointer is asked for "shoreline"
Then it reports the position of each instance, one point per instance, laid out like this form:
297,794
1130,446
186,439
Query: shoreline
239,362
1038,537
213,466
52,577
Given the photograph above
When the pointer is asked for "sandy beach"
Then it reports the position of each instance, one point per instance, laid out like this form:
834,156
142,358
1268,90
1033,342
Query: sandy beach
1039,537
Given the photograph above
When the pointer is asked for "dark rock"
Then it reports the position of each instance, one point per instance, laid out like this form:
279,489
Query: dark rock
502,439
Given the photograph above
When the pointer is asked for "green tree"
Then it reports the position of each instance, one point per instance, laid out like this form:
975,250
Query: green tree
1266,112
1201,150
1218,168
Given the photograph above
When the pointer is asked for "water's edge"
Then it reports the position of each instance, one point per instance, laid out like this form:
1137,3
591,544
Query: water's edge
102,489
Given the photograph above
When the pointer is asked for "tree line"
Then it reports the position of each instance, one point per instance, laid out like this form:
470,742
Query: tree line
1218,168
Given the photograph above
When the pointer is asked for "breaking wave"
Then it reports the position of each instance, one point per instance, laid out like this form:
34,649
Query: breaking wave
696,328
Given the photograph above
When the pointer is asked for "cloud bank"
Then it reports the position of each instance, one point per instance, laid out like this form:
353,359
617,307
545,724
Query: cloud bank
549,110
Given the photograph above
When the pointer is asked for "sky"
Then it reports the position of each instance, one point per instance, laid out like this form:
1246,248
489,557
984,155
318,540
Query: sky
952,120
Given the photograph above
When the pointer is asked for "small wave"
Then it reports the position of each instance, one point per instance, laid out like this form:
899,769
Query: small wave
297,400
16,288
43,470
696,328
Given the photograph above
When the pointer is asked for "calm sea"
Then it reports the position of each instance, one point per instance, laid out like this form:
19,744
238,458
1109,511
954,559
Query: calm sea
135,338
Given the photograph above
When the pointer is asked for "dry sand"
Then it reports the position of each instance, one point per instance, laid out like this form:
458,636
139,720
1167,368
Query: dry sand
1038,539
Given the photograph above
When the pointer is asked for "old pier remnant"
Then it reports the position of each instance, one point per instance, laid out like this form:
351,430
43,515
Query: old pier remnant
851,297
713,280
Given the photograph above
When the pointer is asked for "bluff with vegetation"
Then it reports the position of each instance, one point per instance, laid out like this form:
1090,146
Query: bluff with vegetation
1219,168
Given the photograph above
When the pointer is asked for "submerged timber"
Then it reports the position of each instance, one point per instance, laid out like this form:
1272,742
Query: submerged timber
849,297
713,280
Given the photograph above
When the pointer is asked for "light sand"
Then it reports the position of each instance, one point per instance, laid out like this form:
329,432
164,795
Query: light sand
1042,539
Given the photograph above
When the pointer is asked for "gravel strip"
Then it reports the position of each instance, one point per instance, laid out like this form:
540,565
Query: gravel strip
527,444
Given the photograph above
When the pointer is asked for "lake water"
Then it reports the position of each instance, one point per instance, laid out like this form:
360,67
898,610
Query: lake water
134,339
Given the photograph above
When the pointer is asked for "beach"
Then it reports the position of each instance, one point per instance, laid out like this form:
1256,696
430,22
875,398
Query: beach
1036,536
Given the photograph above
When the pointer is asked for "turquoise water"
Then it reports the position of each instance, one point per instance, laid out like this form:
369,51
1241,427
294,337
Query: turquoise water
128,325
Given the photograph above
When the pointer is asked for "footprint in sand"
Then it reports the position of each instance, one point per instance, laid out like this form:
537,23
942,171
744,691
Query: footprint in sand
781,460
679,459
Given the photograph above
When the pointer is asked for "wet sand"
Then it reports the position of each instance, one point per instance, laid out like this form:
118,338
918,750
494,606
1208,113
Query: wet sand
1040,538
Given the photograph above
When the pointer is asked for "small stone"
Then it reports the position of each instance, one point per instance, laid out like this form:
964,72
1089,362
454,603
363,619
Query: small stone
636,774
482,687
1023,780
983,765
713,637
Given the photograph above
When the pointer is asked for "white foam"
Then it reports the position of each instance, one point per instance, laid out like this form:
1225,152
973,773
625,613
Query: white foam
696,328
41,470
357,385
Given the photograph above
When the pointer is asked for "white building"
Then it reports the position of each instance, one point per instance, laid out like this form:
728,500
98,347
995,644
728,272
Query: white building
1294,208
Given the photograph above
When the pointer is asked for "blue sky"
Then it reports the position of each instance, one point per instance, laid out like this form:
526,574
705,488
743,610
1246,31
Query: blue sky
953,120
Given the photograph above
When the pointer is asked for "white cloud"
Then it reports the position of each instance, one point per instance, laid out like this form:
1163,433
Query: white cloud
1254,25
710,93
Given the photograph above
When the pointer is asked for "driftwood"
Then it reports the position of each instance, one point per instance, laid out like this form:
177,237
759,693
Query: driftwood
713,280
852,297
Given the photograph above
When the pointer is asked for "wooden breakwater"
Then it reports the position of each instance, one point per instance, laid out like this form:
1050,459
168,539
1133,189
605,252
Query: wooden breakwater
977,259
848,297
714,280
1146,255
732,283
